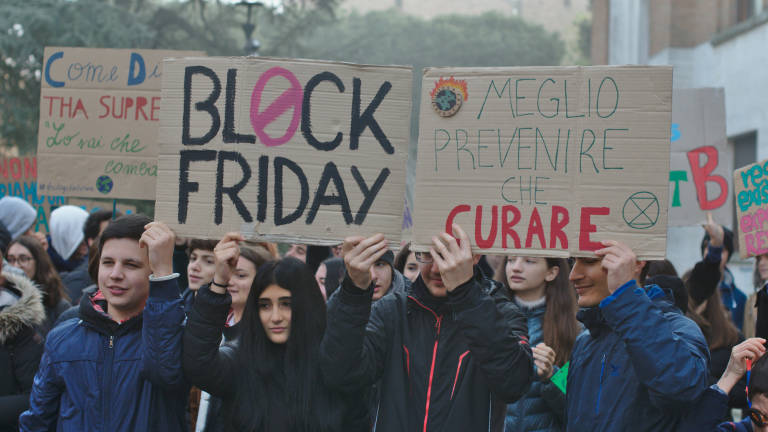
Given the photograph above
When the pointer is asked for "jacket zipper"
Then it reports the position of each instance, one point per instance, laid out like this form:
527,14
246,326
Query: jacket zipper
432,371
108,363
600,388
438,321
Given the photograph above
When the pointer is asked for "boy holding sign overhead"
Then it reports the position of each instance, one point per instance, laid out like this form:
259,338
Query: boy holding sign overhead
444,351
640,364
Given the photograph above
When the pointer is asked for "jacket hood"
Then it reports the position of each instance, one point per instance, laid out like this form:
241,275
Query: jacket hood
17,215
399,282
593,319
27,311
93,311
67,229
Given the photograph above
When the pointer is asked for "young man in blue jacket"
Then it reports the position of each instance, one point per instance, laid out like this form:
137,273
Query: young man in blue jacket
118,367
640,364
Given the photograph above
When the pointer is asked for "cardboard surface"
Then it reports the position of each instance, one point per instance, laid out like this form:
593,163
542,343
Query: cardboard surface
750,184
283,150
18,177
92,205
702,160
497,168
99,117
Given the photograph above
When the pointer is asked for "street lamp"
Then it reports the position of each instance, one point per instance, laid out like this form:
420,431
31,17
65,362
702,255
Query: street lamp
251,45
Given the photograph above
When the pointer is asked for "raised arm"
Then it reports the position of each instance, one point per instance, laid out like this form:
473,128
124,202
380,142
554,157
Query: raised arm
356,339
669,353
494,327
207,364
163,317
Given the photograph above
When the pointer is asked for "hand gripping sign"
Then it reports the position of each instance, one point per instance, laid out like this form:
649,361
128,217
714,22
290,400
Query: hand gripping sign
286,150
545,161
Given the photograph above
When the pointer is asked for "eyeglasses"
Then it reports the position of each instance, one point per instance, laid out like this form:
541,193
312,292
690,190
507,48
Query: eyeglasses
758,417
423,257
21,259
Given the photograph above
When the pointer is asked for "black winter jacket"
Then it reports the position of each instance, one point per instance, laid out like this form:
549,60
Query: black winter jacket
213,368
442,362
20,348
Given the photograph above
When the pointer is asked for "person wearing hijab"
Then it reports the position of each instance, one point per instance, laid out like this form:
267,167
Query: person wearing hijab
17,216
68,247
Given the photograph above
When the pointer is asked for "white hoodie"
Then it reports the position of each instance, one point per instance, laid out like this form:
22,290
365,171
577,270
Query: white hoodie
66,225
17,215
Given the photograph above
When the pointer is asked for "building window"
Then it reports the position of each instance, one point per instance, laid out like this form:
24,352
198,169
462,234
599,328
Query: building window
744,10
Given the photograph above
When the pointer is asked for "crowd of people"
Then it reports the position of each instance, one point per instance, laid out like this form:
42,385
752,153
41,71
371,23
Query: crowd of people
113,323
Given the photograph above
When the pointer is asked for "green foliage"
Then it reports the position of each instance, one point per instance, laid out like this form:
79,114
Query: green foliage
584,44
390,37
26,27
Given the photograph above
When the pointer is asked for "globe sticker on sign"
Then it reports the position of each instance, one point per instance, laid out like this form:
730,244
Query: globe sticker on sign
104,184
448,95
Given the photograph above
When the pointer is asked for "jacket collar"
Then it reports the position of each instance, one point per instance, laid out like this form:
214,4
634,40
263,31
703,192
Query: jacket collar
26,312
93,309
593,318
418,292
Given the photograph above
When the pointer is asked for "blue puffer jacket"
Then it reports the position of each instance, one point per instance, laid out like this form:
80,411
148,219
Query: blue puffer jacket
639,365
100,375
543,407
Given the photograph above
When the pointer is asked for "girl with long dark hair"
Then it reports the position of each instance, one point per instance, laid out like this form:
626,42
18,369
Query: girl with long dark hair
28,254
540,288
269,380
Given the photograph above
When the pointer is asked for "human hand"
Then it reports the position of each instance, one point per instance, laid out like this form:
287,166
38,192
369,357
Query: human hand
544,359
715,231
453,259
360,254
753,349
619,261
159,241
40,237
226,253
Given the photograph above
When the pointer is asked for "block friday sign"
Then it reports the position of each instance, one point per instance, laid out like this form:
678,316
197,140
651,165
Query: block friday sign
283,150
545,161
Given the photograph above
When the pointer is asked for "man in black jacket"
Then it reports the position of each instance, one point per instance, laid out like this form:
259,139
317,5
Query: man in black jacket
444,351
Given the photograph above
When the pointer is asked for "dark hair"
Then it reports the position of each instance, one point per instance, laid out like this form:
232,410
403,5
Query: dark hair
727,242
45,273
758,379
255,254
660,267
756,279
94,220
559,326
402,257
202,244
714,321
334,274
288,371
316,255
129,226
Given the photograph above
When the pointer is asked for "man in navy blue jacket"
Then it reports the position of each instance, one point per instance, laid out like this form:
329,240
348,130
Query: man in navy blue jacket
118,367
640,364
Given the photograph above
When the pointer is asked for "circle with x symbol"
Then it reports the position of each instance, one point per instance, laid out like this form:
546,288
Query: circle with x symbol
641,210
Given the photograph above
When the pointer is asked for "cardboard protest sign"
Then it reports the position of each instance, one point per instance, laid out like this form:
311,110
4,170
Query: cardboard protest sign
702,160
545,161
283,150
92,205
19,179
99,116
750,184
